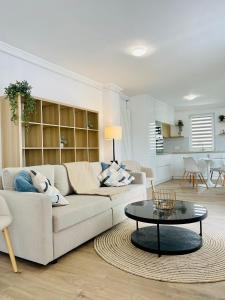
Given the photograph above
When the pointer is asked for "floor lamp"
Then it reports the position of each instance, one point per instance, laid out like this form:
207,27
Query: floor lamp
113,133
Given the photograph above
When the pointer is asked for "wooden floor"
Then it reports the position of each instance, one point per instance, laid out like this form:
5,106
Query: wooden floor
81,274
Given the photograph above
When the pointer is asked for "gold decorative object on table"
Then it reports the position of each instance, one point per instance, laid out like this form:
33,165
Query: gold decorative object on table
164,199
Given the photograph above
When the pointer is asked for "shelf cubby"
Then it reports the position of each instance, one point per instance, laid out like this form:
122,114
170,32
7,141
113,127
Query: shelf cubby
36,116
93,155
67,155
81,155
92,120
92,139
50,112
66,116
80,118
51,156
51,136
33,157
81,138
68,135
33,136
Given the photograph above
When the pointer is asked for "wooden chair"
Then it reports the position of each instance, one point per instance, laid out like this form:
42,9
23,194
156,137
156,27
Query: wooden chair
193,172
5,221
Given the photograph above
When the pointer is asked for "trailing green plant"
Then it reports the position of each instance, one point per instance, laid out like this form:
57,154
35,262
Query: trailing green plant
29,104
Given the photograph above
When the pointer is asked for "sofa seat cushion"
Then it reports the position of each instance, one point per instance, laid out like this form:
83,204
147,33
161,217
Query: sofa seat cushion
80,208
134,191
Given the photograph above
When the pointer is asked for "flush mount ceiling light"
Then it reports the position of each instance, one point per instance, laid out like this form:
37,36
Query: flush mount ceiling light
140,51
191,97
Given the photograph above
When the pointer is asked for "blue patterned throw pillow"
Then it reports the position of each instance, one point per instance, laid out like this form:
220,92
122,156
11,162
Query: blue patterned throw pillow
23,182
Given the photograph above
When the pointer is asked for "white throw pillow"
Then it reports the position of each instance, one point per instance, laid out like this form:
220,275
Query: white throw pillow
115,175
43,185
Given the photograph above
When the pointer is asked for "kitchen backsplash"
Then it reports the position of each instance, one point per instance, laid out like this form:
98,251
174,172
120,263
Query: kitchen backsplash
182,144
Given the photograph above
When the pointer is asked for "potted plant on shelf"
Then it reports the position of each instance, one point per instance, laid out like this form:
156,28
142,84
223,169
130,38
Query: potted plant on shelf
221,118
29,104
63,142
180,125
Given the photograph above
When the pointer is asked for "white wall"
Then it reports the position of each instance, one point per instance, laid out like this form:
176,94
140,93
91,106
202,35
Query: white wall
145,110
60,86
180,145
111,108
142,117
185,114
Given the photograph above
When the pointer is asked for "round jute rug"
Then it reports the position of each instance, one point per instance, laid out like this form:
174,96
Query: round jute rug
204,265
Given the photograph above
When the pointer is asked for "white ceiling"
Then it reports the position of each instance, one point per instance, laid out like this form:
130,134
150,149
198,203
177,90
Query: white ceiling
91,37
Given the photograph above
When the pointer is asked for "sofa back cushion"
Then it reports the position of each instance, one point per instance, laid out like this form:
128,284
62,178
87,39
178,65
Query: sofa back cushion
62,181
132,165
9,174
97,168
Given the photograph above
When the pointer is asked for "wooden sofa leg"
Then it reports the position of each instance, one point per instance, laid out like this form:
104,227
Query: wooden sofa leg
10,249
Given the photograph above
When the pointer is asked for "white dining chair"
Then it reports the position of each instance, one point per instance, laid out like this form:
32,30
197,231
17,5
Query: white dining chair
218,166
192,172
5,221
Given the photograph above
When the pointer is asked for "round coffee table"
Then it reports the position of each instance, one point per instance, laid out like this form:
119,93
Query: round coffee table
166,239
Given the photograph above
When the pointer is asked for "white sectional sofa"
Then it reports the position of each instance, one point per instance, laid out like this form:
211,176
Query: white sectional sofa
42,233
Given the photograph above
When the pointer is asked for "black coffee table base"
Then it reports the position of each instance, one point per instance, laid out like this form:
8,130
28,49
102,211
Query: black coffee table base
170,240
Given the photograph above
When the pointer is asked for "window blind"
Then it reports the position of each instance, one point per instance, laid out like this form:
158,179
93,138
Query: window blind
202,132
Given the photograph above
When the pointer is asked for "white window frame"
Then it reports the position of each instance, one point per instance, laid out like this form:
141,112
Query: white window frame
204,149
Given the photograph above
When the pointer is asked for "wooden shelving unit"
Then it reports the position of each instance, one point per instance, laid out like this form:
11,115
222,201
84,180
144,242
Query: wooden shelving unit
51,123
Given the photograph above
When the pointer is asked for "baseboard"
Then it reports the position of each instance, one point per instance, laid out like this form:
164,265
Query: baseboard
163,180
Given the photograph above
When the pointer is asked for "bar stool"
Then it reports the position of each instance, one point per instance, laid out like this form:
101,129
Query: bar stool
5,221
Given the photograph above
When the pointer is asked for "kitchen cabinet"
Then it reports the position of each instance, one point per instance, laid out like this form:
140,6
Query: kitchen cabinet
163,168
164,112
166,130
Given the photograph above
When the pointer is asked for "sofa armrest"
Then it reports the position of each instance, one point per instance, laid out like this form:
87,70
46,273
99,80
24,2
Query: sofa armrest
148,171
31,228
140,177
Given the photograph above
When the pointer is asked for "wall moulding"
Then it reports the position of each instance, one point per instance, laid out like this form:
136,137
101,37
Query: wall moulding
28,57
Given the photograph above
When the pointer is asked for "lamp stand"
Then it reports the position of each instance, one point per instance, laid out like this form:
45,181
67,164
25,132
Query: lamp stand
114,157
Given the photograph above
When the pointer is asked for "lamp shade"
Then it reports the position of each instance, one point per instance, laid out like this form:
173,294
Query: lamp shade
113,132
